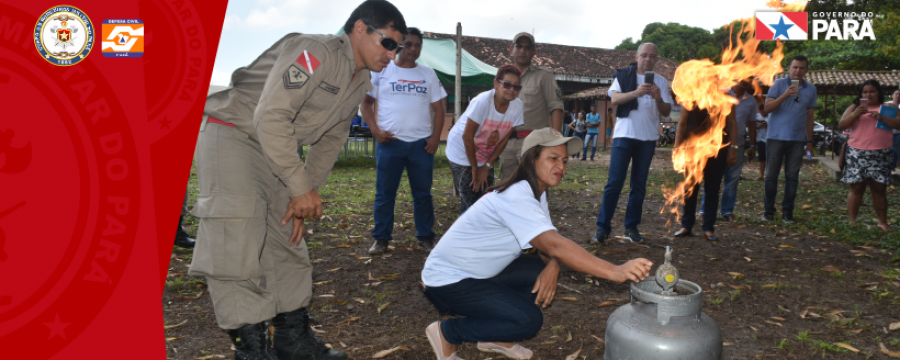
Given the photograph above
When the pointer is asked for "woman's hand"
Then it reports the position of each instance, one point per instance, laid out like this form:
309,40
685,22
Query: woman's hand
634,270
875,114
732,156
479,178
545,286
859,111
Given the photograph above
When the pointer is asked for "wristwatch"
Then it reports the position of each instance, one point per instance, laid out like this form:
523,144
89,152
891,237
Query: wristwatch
735,147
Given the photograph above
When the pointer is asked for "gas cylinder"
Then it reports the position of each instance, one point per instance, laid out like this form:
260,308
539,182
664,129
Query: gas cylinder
663,321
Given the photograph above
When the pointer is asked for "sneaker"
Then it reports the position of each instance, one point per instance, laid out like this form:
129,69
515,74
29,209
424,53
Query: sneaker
379,247
427,244
768,217
634,236
601,237
729,217
788,218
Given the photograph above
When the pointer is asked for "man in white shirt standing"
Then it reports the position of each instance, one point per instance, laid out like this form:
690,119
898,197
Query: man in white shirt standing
639,104
409,98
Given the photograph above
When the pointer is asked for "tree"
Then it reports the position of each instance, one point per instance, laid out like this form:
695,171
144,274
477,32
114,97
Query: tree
627,44
676,42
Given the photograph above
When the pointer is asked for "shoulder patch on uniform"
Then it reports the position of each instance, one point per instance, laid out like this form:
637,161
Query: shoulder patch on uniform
294,77
308,62
329,88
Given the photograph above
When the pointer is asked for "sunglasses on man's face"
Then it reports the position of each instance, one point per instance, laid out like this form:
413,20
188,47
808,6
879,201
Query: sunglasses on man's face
388,43
509,85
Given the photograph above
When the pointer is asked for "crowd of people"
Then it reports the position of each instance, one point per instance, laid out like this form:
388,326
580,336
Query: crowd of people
498,263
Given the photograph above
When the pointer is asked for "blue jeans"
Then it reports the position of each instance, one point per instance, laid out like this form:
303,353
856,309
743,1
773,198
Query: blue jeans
896,150
729,192
497,309
639,154
712,181
579,135
588,138
391,159
790,154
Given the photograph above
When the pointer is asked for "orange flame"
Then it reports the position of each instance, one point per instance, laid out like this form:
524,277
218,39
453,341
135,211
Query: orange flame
789,6
703,84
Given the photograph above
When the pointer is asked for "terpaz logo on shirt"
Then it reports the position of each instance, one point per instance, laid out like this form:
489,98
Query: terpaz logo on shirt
409,86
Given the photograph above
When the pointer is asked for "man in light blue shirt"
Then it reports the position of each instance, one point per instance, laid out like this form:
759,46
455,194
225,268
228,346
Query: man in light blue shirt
745,113
790,135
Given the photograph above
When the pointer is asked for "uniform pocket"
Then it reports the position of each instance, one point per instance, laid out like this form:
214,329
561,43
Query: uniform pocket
230,237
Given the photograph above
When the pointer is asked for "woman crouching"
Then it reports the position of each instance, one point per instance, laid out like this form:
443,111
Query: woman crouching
479,271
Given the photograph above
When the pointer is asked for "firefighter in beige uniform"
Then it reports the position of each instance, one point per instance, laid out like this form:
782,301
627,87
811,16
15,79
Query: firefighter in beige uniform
541,97
304,88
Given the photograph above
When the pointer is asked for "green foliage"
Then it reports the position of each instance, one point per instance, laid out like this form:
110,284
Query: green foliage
676,42
681,43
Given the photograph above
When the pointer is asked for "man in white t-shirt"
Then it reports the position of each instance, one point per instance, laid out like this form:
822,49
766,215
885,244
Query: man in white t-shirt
409,96
639,104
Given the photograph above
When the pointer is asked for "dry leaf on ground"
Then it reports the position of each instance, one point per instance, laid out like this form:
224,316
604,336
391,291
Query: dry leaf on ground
831,268
573,355
384,353
846,346
189,298
185,322
884,350
381,308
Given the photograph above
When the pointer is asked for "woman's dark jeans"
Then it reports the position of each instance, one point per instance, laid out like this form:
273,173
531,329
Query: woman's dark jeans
712,182
499,309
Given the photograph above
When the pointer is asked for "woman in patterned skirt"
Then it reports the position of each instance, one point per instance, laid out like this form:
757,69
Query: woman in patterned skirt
869,151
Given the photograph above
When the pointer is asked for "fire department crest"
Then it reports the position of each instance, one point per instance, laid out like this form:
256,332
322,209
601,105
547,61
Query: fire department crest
64,35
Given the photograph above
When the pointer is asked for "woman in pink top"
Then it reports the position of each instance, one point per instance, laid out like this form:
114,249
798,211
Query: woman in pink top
869,151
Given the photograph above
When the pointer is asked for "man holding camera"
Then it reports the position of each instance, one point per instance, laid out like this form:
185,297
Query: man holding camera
791,103
640,98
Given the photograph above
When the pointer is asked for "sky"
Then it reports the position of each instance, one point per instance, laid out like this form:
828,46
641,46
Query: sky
251,26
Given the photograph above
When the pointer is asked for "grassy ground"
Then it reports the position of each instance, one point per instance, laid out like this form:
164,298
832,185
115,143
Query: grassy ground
821,208
781,291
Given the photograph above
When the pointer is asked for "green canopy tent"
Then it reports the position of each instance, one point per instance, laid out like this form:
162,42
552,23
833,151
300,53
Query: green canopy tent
440,55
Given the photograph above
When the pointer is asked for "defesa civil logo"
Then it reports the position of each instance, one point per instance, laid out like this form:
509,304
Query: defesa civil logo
123,38
773,25
64,35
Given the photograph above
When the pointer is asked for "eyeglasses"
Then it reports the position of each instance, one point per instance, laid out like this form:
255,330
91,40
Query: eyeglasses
509,85
388,43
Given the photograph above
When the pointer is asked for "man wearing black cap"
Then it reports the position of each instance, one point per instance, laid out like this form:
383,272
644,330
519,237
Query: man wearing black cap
541,97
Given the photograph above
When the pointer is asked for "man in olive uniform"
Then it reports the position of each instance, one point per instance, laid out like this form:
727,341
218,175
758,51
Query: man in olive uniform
255,191
541,97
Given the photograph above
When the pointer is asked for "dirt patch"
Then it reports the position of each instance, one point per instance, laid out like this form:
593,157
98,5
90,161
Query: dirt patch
774,293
